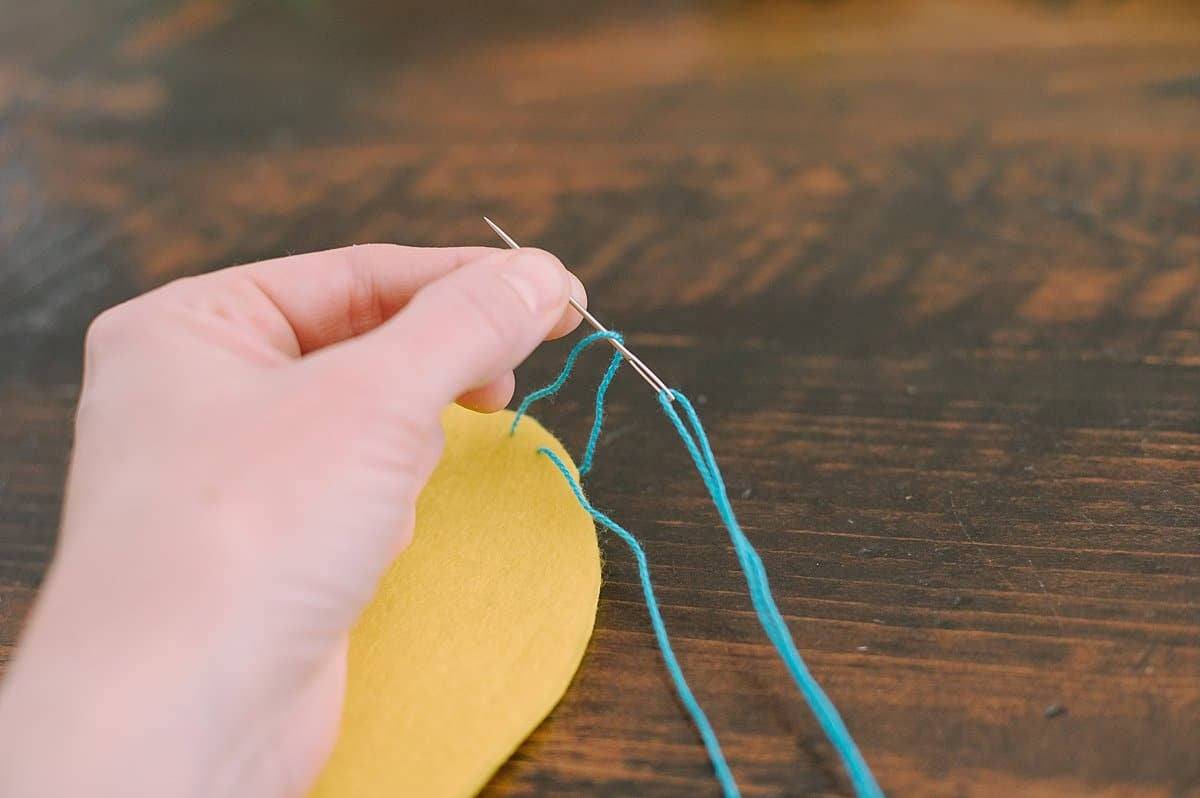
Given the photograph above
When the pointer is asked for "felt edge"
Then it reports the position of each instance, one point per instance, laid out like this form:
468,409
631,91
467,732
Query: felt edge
531,427
488,773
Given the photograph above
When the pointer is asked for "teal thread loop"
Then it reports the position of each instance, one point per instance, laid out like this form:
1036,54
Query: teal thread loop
562,377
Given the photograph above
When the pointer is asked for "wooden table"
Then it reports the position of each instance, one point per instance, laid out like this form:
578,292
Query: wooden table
933,273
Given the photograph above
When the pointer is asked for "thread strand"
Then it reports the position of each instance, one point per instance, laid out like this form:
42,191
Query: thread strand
695,440
764,601
686,697
561,379
589,451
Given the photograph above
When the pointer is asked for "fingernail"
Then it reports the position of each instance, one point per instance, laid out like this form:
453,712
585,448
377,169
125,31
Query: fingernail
538,280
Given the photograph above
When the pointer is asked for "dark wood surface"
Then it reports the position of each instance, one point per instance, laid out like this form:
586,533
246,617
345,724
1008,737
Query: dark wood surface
932,270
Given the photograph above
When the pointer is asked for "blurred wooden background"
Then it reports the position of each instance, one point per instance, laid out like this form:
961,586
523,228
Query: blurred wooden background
933,268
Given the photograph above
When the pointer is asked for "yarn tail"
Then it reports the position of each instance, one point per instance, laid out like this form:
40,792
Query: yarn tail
696,441
687,698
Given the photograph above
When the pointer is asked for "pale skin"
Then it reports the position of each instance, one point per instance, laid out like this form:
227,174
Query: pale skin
249,448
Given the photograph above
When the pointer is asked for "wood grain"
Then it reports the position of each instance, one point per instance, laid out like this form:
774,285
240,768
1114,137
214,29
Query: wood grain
932,269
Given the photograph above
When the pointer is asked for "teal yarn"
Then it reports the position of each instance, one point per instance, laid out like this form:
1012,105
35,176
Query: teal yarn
691,433
589,451
561,380
715,754
768,613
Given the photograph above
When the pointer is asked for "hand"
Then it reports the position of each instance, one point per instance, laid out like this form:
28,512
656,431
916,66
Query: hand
249,448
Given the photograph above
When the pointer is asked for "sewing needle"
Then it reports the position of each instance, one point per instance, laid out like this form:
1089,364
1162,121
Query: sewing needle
641,368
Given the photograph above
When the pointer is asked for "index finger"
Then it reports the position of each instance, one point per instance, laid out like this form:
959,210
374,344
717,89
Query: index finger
303,303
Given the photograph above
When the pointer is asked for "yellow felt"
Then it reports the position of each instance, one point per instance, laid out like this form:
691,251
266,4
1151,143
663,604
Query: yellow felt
478,627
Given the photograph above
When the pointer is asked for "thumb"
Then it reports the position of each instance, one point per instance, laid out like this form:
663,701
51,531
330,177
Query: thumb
472,326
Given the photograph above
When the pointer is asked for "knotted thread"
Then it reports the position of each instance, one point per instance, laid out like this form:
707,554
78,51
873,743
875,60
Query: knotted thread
691,432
